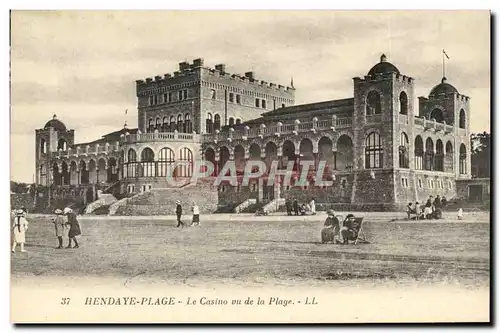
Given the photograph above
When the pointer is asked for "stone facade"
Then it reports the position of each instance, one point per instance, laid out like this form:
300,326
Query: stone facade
376,150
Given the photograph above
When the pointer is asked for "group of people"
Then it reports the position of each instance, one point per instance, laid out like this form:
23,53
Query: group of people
430,210
65,222
196,215
293,208
337,232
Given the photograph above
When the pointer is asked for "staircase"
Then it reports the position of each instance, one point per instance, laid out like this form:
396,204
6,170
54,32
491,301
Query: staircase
244,205
103,200
273,205
162,201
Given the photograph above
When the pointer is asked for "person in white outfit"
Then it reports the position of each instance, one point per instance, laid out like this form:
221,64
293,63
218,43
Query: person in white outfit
460,214
196,214
19,227
312,207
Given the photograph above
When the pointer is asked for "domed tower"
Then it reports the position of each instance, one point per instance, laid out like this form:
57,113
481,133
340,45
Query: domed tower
382,104
382,121
446,105
53,137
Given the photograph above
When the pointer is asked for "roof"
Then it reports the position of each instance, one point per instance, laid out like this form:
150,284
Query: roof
110,137
311,107
383,67
443,88
55,124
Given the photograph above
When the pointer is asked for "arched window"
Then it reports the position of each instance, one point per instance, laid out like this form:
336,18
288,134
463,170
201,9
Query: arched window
419,153
185,169
173,125
231,121
61,145
216,122
147,163
188,125
158,124
166,159
436,114
43,146
238,121
403,103
404,161
373,105
132,155
151,126
373,151
439,159
463,160
461,120
209,123
180,125
131,164
429,154
164,126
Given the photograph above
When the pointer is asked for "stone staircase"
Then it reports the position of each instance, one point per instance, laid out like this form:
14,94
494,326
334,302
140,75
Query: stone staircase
273,205
162,201
104,199
244,205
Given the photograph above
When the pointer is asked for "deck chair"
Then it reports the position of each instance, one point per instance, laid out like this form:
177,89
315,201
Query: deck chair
358,223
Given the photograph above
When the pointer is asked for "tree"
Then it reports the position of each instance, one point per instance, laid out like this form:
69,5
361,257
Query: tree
481,155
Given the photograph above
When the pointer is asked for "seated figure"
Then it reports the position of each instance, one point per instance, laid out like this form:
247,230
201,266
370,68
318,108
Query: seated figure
350,229
331,228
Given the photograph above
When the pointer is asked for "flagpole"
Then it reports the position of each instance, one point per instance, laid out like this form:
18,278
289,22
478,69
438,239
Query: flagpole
444,71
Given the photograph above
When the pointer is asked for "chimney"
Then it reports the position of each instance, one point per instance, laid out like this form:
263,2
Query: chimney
198,62
221,68
249,75
183,66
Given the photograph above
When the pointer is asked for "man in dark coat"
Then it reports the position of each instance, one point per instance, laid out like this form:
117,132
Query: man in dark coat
74,227
296,207
178,212
288,205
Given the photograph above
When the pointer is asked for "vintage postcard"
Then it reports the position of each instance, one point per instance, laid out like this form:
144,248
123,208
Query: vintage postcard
250,166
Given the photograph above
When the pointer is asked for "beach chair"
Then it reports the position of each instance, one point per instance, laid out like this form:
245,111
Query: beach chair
357,225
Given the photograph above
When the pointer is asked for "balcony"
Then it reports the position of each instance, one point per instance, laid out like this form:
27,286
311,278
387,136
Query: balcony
154,137
85,150
279,129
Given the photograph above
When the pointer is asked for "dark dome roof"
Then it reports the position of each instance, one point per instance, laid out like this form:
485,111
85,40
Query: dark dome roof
383,67
56,124
443,88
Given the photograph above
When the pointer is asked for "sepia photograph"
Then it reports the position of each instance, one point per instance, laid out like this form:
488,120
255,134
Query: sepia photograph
271,166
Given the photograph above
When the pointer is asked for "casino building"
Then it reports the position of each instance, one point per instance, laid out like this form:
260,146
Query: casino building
380,153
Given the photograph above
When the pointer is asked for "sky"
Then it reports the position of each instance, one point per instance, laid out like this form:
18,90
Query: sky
82,65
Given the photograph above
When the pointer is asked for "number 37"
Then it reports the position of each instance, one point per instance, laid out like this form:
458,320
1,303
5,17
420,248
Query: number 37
65,301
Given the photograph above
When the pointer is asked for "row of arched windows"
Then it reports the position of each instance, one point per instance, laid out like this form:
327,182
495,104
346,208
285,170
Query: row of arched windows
373,106
62,145
181,124
162,167
213,123
428,158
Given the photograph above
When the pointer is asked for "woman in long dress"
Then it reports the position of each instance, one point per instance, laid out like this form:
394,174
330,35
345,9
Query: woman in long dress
60,227
74,227
19,227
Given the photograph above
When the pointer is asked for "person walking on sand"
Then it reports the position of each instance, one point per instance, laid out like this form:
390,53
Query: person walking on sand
296,207
19,228
460,214
196,214
60,227
74,227
178,212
